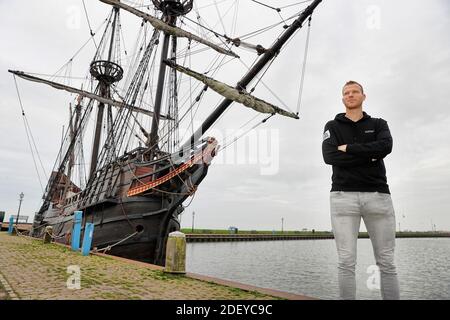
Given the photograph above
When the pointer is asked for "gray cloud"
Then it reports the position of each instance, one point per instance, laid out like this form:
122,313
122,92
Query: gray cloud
404,66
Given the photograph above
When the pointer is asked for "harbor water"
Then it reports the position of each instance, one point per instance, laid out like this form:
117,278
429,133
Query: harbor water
309,267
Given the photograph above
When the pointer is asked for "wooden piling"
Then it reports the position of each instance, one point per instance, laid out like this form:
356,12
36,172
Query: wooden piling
176,253
48,234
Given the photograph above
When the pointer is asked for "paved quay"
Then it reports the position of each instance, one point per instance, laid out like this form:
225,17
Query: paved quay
30,269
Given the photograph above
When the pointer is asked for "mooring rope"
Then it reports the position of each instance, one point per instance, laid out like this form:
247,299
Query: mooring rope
107,248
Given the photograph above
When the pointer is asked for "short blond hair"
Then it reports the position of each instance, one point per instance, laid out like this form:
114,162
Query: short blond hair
353,82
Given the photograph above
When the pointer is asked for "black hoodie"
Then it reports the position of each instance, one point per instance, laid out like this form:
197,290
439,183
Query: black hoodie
361,168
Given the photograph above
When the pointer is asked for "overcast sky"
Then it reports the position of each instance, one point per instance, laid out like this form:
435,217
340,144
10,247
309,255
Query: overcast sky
399,50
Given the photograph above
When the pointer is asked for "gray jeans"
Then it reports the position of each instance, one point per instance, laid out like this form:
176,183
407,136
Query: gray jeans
377,211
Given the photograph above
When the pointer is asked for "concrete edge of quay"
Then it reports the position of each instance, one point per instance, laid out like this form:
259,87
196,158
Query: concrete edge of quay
246,287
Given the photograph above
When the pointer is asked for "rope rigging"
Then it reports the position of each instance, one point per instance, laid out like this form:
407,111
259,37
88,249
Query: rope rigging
216,68
305,57
235,139
278,9
79,50
122,130
220,17
265,29
89,24
245,36
259,79
265,5
30,138
295,4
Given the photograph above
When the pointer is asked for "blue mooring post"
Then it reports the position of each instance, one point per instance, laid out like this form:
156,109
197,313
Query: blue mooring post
11,225
76,233
87,239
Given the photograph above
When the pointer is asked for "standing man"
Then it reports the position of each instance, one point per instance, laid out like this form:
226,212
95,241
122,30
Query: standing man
355,144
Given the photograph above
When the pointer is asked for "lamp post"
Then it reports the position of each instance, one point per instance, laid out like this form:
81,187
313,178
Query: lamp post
193,217
20,204
282,224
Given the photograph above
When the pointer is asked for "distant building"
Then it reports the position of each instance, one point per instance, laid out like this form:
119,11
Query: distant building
233,230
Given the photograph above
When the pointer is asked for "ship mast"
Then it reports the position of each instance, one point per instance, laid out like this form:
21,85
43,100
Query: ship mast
253,72
107,73
73,127
171,9
153,142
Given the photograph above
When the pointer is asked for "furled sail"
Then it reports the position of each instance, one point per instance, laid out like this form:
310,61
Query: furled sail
233,94
175,31
83,93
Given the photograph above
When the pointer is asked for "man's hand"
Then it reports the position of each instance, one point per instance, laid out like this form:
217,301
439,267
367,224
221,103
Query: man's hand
343,148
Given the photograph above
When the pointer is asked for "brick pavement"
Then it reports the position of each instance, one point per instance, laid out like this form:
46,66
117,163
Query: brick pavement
40,271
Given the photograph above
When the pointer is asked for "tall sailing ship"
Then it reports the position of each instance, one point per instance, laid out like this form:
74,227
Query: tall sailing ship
140,174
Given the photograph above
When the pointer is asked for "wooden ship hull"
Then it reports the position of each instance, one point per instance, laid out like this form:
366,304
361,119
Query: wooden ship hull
134,227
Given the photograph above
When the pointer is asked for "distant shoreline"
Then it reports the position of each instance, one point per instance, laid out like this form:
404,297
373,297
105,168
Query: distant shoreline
209,235
309,232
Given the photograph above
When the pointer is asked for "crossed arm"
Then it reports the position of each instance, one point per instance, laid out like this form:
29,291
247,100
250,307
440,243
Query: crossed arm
355,154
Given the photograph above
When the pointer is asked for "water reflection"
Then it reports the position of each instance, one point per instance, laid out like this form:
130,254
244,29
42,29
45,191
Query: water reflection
309,267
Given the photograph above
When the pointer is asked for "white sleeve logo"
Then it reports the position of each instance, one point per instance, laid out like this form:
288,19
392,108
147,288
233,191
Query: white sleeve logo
326,135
